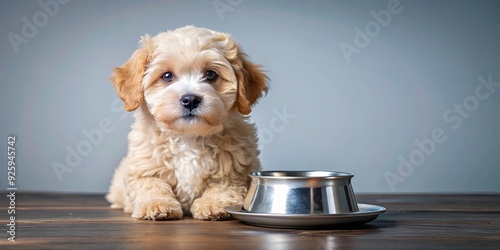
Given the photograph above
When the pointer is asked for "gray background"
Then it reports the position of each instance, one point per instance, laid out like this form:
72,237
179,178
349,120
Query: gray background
361,116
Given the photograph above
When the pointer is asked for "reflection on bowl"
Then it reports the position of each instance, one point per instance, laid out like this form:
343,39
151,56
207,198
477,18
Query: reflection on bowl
300,192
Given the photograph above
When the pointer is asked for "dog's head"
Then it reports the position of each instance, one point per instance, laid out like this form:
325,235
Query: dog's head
190,80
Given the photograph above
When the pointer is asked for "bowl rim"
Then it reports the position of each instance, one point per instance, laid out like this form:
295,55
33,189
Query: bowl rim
299,174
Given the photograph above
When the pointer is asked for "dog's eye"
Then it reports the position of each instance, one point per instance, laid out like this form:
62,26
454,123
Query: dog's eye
211,76
167,77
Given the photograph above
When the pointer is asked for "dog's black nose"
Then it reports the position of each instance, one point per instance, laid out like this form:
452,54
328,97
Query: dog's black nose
190,101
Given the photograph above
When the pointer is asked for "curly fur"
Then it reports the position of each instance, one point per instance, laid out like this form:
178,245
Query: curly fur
174,165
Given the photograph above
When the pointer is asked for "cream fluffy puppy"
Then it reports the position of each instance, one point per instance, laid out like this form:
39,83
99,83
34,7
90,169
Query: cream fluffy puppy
191,146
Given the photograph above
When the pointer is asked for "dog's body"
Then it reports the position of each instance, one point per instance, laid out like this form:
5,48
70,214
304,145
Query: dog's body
191,146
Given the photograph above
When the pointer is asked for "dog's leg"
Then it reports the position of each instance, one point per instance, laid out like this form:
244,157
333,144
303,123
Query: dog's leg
210,206
152,199
116,195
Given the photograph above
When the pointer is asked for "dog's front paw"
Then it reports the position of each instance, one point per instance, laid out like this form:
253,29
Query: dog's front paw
209,209
165,208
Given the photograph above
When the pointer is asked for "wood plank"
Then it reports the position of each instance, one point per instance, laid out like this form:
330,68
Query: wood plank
76,221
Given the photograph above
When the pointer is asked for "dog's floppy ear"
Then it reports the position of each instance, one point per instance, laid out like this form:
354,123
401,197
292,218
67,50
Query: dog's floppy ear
252,83
127,79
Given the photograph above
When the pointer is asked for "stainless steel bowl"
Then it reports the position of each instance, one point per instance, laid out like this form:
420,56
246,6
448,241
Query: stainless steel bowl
300,192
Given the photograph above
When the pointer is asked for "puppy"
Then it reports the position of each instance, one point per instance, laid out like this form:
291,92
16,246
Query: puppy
191,146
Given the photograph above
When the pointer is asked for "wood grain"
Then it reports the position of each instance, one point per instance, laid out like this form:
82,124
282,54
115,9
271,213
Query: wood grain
77,221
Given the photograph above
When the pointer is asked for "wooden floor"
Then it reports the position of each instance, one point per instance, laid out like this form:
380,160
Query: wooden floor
68,221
